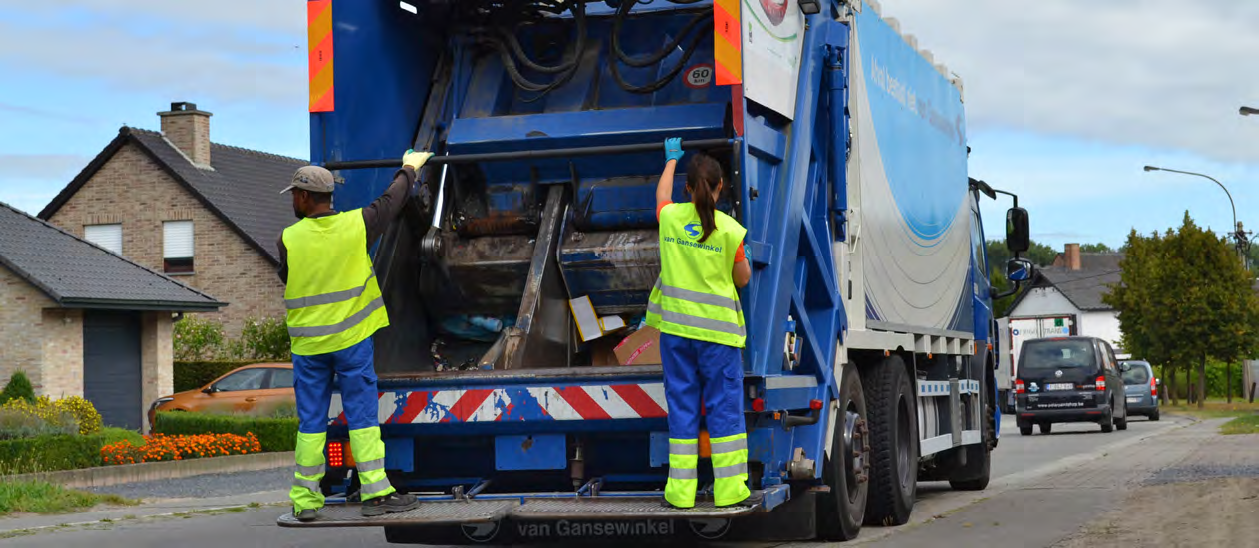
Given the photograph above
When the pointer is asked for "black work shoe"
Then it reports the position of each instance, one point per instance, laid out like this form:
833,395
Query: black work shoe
390,504
306,516
753,500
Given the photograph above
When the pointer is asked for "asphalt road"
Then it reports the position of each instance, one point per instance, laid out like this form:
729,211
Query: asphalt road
1016,457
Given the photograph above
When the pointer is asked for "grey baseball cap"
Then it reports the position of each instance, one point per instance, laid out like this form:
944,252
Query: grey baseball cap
312,179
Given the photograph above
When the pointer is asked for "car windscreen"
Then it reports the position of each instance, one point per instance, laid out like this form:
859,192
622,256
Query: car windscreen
1075,356
1138,374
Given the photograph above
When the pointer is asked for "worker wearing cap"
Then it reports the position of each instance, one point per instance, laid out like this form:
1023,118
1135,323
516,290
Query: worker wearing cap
334,306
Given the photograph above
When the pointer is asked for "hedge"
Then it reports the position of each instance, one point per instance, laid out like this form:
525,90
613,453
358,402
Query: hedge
273,434
53,453
194,375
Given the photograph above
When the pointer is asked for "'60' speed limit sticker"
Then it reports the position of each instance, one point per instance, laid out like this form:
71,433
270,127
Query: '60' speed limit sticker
699,76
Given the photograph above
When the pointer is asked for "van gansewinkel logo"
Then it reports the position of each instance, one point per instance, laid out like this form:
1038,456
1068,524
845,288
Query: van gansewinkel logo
692,230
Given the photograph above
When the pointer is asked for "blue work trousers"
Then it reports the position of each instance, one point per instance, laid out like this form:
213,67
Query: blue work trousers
700,373
354,370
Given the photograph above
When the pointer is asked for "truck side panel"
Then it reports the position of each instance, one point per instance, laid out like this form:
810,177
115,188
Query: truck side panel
914,218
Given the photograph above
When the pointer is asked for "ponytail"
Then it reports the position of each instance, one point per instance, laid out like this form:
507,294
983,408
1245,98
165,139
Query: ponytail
702,177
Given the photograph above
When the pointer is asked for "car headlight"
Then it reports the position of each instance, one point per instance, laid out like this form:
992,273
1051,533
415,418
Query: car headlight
160,401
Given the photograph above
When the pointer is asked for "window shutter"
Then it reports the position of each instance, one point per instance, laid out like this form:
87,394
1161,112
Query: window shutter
178,242
106,236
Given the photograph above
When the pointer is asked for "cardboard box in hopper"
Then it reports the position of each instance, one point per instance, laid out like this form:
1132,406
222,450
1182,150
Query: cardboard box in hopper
642,347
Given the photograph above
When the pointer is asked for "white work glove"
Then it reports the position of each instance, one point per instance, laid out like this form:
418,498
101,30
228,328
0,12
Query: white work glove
415,160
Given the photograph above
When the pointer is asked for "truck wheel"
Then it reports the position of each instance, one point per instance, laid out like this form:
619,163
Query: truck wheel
975,475
1046,427
847,469
1108,423
893,442
1025,430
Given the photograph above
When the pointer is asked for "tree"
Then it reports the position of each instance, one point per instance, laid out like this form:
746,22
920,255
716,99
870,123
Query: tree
1096,248
1184,298
18,388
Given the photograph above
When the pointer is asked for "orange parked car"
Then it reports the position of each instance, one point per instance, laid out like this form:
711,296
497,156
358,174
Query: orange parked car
259,388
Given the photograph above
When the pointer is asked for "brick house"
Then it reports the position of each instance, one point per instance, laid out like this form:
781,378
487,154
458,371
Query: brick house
204,213
81,321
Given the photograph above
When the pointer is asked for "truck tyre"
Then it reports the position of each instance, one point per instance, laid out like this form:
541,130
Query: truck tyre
1025,430
893,422
847,468
975,474
1046,427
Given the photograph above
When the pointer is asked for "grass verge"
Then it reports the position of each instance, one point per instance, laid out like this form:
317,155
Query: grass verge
45,498
1241,425
1214,409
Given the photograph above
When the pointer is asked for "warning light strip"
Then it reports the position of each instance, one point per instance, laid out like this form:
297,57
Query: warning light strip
319,37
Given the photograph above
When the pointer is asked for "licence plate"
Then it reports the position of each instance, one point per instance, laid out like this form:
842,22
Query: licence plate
1059,386
1134,399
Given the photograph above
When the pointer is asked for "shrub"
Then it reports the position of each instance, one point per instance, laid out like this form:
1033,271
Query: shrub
274,434
55,419
194,375
83,411
50,453
266,339
198,339
160,447
19,387
113,435
17,424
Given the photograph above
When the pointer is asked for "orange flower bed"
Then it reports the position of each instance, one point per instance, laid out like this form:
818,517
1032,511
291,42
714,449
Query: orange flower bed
160,447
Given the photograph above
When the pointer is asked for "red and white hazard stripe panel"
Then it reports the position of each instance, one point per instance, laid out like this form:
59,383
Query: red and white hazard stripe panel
564,403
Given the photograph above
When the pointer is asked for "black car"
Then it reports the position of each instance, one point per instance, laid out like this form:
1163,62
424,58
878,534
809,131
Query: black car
1069,379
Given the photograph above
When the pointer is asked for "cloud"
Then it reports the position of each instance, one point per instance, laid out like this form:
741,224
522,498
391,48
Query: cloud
1160,73
163,47
41,166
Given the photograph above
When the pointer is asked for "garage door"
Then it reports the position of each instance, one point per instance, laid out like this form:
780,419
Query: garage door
111,366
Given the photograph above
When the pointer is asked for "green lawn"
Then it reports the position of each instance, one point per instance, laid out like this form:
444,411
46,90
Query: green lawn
45,498
1248,424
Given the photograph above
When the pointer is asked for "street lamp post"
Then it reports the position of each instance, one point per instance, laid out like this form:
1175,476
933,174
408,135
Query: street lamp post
1239,235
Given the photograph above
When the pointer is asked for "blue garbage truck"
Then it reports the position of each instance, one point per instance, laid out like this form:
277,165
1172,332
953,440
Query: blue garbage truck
519,397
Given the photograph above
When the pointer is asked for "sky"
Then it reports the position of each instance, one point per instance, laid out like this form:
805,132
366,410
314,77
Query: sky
1066,100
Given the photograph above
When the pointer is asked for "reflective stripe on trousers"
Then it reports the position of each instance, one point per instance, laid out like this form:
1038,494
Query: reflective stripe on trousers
683,473
369,454
730,469
305,492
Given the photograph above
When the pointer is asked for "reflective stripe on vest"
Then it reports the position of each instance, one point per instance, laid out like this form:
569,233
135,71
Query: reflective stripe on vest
332,296
695,296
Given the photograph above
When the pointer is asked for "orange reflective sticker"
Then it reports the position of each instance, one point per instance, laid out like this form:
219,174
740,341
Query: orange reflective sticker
319,46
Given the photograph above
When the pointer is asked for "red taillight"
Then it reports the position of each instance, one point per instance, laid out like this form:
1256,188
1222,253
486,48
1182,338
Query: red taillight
1153,388
1018,387
758,404
339,455
815,405
1101,383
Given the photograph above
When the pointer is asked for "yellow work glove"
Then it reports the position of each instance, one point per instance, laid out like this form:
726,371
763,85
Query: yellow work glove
415,160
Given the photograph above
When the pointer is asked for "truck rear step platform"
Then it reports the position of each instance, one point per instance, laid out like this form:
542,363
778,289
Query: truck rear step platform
429,513
523,509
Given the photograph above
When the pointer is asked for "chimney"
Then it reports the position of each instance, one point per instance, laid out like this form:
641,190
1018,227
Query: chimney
189,130
1072,256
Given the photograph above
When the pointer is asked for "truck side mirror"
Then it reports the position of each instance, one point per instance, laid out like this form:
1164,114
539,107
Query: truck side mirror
1017,237
1019,270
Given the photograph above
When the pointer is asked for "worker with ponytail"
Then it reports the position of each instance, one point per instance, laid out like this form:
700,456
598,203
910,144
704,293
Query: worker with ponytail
695,305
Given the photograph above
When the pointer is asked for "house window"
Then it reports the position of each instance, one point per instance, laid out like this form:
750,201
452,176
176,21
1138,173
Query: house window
106,236
177,247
